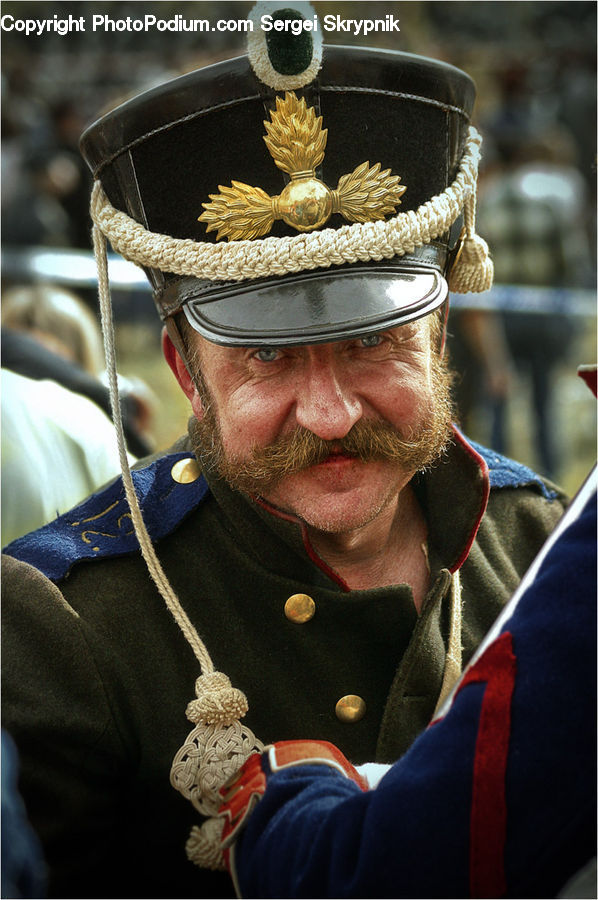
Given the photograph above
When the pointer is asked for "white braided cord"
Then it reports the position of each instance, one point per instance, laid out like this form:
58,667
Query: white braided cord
454,651
147,548
220,744
250,259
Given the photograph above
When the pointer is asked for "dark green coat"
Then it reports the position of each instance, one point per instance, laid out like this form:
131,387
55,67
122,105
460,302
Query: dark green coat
96,701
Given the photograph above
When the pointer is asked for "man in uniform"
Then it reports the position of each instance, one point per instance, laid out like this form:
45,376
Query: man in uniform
330,548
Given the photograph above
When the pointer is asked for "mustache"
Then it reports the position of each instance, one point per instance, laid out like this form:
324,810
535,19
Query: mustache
367,441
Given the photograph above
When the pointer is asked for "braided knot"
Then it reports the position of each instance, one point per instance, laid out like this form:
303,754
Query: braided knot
218,702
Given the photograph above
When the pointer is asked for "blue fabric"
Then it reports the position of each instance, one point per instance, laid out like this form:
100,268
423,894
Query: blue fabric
23,865
505,472
314,834
101,526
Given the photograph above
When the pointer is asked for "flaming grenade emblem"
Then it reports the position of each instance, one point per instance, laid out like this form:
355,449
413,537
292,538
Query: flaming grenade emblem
296,142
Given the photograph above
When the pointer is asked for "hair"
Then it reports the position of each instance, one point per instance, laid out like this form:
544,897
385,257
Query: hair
52,312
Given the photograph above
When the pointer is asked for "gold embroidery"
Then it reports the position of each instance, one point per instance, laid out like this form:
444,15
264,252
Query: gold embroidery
106,534
85,534
98,515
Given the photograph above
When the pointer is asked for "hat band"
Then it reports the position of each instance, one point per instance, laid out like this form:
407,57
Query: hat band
262,258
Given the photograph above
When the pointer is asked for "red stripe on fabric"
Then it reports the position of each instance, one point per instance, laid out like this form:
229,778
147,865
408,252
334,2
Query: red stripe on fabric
590,376
488,821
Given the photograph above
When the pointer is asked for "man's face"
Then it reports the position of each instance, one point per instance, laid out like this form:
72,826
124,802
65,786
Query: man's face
330,433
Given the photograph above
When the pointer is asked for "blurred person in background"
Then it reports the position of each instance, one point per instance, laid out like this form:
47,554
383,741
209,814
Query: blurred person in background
57,448
45,188
49,332
32,214
57,319
67,170
532,210
483,365
58,443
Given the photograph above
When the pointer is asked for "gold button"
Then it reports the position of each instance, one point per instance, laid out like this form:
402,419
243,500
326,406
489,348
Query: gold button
350,708
300,608
185,471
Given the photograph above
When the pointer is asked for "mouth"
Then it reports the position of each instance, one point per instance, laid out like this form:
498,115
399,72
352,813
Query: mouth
338,458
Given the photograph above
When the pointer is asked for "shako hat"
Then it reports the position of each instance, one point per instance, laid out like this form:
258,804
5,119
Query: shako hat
298,194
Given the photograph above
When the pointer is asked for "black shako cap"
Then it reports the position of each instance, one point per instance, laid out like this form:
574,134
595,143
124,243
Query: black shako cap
160,155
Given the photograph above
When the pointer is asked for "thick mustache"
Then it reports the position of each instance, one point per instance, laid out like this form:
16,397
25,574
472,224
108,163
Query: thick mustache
302,449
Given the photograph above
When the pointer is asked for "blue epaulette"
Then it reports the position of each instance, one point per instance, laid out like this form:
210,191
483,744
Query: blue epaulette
505,472
101,526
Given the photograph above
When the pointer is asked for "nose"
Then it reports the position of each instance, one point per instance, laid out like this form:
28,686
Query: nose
326,402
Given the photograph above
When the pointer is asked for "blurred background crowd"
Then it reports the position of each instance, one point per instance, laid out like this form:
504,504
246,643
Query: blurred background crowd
516,349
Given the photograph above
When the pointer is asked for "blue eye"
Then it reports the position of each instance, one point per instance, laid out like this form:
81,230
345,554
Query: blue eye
266,354
371,340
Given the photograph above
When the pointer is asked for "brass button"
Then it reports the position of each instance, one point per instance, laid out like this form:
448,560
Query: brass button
185,471
300,608
350,708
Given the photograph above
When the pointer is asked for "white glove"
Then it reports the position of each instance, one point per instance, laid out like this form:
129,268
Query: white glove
373,773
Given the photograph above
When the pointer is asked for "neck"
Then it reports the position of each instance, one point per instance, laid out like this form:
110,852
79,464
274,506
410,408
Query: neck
388,550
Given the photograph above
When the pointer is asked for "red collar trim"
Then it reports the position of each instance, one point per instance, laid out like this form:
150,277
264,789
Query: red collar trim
320,562
317,560
590,376
481,462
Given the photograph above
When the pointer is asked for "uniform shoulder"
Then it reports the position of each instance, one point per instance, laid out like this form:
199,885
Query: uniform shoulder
507,473
169,489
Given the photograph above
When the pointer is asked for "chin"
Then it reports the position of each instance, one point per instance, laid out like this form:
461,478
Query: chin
336,505
338,521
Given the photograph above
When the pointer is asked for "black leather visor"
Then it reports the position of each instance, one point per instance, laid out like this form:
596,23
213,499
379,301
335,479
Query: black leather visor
317,307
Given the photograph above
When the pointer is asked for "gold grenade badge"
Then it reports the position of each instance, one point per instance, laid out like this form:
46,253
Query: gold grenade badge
297,143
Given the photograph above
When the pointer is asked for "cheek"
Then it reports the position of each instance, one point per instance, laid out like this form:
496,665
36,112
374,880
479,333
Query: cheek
255,416
404,396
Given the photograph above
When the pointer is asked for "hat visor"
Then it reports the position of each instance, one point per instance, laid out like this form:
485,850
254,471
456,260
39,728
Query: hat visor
317,307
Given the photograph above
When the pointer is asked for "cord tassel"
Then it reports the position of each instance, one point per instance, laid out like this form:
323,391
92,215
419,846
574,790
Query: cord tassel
473,271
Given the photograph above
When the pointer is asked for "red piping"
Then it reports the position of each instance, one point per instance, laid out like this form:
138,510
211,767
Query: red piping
485,494
319,562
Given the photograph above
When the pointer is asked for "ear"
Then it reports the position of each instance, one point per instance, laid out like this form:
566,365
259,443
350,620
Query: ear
181,373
